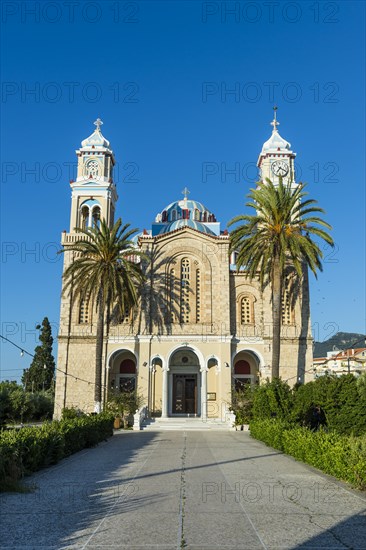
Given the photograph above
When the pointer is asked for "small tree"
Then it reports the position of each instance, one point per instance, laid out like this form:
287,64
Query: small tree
242,404
124,404
22,405
40,374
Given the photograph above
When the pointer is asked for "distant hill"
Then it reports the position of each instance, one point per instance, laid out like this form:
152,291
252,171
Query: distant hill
341,340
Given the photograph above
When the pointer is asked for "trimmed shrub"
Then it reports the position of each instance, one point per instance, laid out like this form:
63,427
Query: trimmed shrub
71,412
85,431
342,402
341,456
29,449
270,431
273,399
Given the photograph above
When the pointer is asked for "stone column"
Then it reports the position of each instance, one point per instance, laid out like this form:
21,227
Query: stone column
164,397
204,395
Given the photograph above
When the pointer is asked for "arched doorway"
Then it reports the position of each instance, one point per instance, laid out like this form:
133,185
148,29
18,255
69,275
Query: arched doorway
184,384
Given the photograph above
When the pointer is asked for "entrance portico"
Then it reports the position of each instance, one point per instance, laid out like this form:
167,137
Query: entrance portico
184,385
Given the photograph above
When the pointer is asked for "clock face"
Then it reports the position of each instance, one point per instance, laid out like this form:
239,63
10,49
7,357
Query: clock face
92,168
279,168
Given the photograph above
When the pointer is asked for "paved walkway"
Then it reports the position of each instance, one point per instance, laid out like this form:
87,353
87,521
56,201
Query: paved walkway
172,490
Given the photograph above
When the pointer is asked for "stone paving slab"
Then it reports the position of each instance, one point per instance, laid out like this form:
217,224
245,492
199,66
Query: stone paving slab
183,489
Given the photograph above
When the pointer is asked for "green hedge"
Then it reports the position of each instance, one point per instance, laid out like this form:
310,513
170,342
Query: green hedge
85,431
272,399
341,456
342,401
29,449
337,403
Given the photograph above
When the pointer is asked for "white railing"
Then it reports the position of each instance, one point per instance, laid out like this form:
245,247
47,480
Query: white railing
139,417
70,238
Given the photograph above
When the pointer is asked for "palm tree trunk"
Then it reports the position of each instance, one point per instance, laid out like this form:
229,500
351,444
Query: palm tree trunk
276,317
99,355
105,367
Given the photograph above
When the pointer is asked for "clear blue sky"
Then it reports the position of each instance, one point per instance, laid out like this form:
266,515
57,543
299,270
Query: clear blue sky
158,74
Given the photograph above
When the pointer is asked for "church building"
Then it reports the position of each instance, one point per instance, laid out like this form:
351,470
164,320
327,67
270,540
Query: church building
208,328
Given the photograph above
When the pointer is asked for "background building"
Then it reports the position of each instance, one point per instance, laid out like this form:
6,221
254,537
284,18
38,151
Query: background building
339,362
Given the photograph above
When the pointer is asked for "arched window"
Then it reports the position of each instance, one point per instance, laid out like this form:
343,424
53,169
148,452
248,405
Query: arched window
171,297
96,216
184,293
246,310
84,310
127,375
174,215
197,214
286,312
84,221
156,362
198,296
242,367
213,363
126,316
242,374
185,289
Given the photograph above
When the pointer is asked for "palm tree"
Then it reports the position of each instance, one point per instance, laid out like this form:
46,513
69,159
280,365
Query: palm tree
276,240
104,272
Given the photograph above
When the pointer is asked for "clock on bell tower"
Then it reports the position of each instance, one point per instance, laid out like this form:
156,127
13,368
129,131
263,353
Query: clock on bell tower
94,193
276,159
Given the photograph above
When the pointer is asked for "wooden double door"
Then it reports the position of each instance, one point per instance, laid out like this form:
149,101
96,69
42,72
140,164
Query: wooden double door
184,394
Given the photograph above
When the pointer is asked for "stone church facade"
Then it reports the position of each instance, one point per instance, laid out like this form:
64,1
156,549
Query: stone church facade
203,326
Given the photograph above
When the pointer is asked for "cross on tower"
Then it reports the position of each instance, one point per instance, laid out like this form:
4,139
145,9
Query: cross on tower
185,192
98,123
274,122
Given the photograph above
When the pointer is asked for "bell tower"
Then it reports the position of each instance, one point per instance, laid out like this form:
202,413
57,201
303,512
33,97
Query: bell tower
93,198
276,159
93,193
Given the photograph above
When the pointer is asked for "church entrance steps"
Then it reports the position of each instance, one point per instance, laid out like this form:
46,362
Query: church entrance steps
183,423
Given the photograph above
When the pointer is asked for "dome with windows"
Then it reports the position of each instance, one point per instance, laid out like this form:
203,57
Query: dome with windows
198,226
186,213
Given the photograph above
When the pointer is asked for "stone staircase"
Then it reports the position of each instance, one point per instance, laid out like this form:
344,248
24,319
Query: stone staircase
184,424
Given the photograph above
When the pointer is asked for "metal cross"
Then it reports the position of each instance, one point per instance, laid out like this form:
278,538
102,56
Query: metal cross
185,192
274,122
98,123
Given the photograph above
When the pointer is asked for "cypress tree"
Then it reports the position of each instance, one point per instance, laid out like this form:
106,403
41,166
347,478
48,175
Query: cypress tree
40,374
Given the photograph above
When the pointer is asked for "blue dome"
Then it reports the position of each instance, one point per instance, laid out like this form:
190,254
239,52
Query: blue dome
172,226
186,210
185,204
185,213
